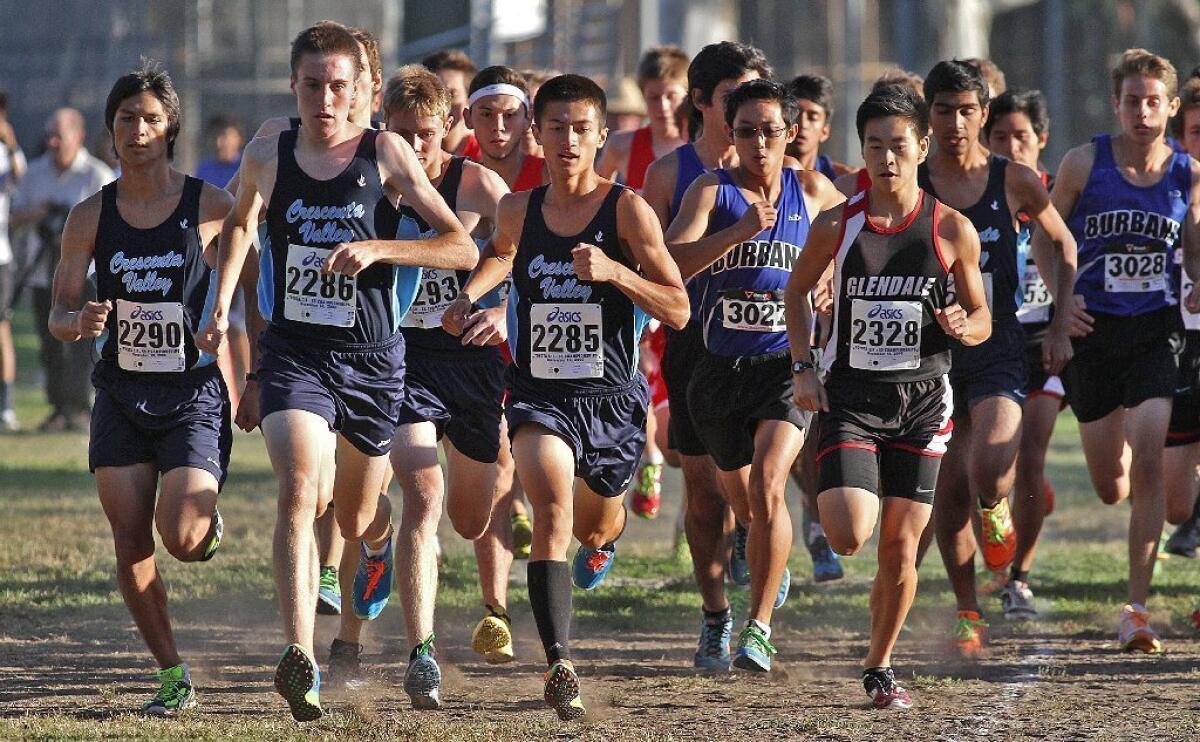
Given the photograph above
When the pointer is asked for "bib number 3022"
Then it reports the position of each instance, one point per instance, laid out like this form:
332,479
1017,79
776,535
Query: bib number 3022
150,336
1136,273
313,296
566,341
753,311
885,335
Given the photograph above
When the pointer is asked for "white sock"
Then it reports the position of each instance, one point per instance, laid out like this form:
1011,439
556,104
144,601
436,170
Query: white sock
652,457
815,531
765,629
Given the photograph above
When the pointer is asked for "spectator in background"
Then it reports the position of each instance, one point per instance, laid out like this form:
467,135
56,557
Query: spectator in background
226,138
65,175
12,168
533,81
456,70
626,109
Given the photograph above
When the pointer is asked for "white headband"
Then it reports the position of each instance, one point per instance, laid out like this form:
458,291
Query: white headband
500,88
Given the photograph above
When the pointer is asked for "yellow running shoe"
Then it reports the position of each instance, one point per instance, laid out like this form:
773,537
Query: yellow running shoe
492,639
522,535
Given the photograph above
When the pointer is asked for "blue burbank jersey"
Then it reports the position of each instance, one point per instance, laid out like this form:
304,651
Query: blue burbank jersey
690,168
1127,235
565,333
742,301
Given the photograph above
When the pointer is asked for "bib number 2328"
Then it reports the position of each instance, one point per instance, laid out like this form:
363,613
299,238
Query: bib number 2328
150,336
885,335
565,341
311,295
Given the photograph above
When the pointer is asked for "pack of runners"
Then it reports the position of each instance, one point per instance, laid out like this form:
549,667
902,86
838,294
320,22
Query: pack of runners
568,314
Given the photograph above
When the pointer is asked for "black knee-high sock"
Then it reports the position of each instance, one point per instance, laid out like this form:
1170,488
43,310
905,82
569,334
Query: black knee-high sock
550,597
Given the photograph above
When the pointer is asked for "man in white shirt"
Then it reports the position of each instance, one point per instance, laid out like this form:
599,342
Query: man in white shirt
12,168
55,182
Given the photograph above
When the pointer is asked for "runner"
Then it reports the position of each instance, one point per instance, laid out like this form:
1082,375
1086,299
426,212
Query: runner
453,390
745,226
662,80
989,378
1183,435
332,356
815,94
886,403
714,71
1133,201
455,69
160,424
578,249
1018,128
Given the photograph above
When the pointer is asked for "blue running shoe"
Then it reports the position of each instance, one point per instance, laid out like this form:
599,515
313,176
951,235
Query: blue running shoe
785,585
592,565
753,650
423,678
298,680
329,594
827,567
373,582
738,568
713,650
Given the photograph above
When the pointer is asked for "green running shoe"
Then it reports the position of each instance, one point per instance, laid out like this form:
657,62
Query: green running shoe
522,535
753,650
298,680
329,593
562,691
218,531
176,693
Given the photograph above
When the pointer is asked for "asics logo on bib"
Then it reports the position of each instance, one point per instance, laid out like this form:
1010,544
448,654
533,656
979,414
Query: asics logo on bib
558,315
758,254
889,285
879,311
313,259
148,282
551,287
1131,221
321,223
139,313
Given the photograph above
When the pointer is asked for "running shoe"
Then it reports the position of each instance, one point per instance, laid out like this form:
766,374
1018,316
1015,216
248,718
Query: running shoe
345,664
1017,601
827,567
754,650
175,693
647,491
492,638
423,678
999,536
562,691
1185,541
591,566
1135,633
738,568
329,594
210,550
712,652
373,582
522,535
298,680
785,585
8,422
970,634
880,684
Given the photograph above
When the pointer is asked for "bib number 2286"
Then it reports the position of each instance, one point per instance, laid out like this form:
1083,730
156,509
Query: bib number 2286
566,341
311,295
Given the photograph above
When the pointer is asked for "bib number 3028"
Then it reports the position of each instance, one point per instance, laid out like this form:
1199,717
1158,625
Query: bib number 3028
566,341
885,335
150,336
1136,273
311,295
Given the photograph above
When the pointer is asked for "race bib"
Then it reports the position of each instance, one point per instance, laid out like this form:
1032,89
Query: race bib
1191,321
1135,273
436,292
566,341
316,297
753,311
150,336
885,335
1035,297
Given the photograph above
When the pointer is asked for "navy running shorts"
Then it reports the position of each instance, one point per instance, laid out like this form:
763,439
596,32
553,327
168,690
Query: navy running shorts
357,388
461,394
683,350
169,420
994,368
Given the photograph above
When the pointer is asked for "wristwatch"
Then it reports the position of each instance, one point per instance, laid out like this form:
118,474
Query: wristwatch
799,367
251,376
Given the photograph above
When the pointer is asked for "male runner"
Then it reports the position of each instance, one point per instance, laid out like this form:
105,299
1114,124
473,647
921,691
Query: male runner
588,266
745,226
455,69
453,392
886,404
815,94
332,356
662,80
160,433
1018,128
988,378
1132,201
714,71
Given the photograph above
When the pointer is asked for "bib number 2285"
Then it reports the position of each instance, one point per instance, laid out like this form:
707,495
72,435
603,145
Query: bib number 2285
566,341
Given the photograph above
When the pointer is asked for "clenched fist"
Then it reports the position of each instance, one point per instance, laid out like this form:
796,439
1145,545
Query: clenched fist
591,264
953,320
758,217
90,320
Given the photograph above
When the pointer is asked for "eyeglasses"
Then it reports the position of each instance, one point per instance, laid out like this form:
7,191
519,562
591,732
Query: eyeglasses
753,132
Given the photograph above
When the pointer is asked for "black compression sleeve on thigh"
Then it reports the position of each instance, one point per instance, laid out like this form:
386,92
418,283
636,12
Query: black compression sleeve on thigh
550,598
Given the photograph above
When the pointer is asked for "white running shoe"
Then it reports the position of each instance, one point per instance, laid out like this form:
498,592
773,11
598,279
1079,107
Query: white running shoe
1135,633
